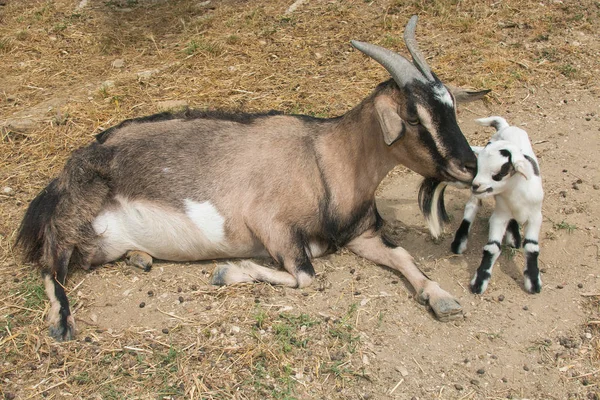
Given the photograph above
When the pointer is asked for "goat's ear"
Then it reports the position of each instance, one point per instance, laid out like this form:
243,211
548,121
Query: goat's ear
518,161
520,165
465,96
391,124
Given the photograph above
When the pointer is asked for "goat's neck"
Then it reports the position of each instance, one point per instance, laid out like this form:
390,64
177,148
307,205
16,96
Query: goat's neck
354,156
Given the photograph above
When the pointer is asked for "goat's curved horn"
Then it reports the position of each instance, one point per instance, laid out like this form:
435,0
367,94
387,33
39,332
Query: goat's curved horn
402,70
413,48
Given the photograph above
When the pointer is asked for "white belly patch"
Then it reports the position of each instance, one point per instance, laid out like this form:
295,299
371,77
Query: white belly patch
196,233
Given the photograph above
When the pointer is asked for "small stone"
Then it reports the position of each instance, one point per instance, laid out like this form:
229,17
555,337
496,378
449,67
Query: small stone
194,287
394,282
142,304
165,330
504,380
208,307
501,297
403,371
235,329
466,360
88,339
9,396
118,63
179,290
352,271
146,75
564,170
16,280
7,191
596,186
458,387
580,285
559,286
543,270
150,293
181,299
525,308
474,382
526,367
481,371
367,396
588,335
357,293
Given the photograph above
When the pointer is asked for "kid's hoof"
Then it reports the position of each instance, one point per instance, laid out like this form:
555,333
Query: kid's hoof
534,285
446,309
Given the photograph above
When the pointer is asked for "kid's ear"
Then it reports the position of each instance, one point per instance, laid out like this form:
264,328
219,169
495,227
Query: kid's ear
520,166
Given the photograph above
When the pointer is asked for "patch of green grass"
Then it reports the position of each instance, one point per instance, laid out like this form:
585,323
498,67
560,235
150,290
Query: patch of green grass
199,45
568,70
287,330
33,293
271,380
566,226
344,331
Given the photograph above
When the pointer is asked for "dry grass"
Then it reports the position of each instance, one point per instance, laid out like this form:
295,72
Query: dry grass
239,56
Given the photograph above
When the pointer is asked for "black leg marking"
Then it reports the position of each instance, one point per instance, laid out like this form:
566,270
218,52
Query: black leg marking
533,283
303,265
513,234
62,329
483,274
460,237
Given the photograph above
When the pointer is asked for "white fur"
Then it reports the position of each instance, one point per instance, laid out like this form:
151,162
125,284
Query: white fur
206,217
443,95
195,233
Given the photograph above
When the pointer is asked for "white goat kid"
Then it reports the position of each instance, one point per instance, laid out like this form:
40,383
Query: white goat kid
508,170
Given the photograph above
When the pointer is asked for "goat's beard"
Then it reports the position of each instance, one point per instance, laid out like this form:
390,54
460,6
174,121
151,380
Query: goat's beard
431,203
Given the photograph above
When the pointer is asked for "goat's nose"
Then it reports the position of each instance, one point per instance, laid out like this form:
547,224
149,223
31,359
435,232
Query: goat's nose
475,186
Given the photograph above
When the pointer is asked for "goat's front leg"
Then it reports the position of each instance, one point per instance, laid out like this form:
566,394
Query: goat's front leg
533,282
372,246
491,251
459,245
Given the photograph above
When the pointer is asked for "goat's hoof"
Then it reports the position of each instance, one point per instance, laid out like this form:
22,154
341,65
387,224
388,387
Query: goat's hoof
219,274
446,309
64,330
534,285
139,259
458,246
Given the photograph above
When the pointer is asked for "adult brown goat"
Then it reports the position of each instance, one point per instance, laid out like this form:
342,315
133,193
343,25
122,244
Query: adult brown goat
209,185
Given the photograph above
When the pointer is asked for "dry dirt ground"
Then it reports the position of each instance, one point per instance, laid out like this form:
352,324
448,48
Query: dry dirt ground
71,69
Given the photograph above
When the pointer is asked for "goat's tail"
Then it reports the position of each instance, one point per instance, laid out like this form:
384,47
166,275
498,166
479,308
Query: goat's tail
431,203
36,227
497,122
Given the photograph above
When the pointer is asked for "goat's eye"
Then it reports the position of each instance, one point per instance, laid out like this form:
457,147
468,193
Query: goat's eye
413,122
